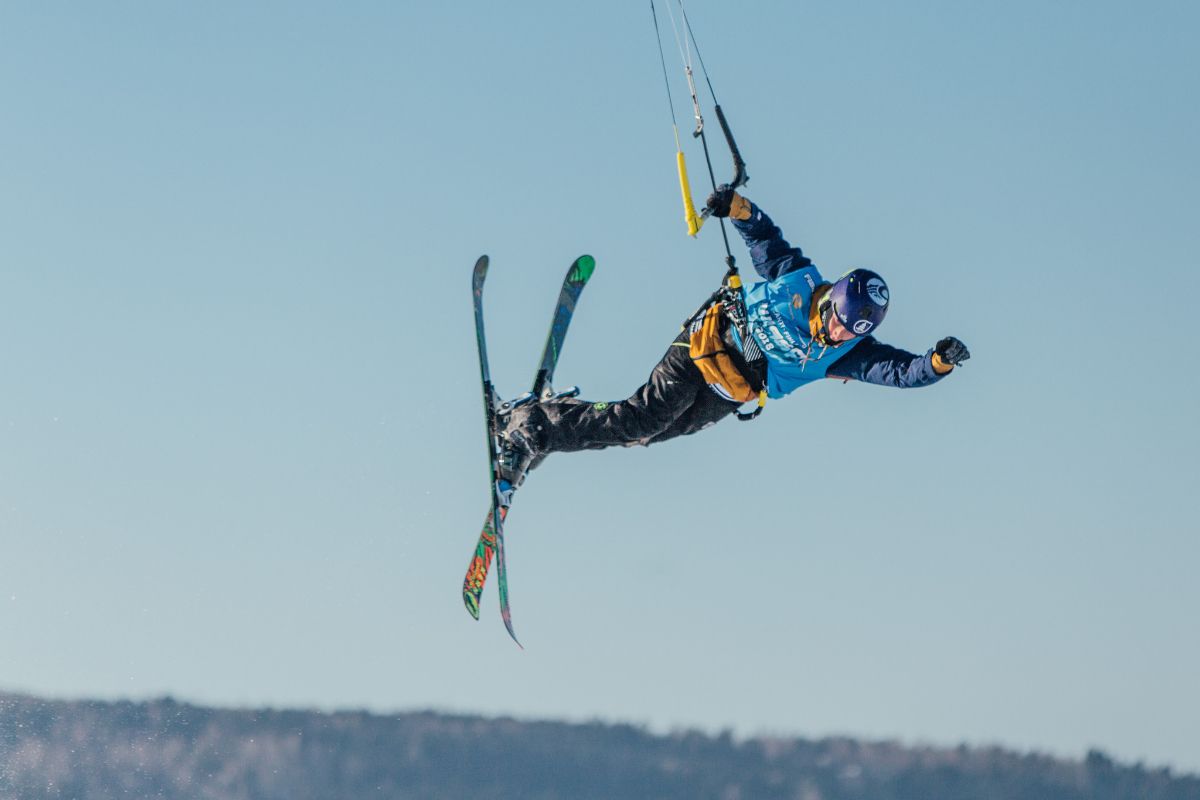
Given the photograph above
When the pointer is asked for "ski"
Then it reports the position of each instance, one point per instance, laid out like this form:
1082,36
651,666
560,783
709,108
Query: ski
572,286
478,276
491,538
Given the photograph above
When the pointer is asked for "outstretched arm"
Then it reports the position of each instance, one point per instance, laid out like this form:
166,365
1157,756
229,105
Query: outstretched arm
770,253
872,361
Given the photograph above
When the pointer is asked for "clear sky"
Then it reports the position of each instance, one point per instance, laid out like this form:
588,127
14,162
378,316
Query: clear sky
241,443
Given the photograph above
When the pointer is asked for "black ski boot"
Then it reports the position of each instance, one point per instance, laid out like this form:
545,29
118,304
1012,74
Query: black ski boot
517,449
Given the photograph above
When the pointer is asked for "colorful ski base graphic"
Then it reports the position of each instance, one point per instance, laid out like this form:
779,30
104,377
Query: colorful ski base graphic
480,564
491,538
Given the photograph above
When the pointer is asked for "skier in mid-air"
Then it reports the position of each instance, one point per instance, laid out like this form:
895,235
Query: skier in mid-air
800,328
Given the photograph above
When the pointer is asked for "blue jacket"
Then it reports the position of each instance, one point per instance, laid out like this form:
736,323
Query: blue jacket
778,310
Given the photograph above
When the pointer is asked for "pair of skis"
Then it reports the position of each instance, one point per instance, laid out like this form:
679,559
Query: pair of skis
491,538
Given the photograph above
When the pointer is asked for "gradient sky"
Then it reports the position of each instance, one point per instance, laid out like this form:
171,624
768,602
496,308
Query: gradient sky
241,445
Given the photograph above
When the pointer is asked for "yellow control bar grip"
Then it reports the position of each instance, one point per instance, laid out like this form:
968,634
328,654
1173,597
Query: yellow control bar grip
689,209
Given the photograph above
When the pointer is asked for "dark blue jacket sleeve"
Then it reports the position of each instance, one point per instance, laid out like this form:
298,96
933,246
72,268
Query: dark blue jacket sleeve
872,361
769,251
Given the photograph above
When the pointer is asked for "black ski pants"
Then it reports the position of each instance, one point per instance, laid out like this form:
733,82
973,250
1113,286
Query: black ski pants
675,401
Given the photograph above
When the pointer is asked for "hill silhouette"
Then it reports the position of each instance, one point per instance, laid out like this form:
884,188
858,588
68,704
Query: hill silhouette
167,749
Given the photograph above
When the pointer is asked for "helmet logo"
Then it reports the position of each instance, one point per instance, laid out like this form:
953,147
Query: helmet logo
863,325
877,290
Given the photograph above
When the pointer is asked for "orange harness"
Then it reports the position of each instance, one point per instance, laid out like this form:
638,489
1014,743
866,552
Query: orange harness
711,356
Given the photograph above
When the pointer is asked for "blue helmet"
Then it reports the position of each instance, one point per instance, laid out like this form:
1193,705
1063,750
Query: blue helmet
860,300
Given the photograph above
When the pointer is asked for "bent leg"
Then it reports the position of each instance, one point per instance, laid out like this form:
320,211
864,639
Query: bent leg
667,395
708,410
673,401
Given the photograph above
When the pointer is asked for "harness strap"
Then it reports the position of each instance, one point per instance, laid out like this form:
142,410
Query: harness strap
715,350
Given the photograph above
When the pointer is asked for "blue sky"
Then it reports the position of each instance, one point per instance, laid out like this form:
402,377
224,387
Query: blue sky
241,452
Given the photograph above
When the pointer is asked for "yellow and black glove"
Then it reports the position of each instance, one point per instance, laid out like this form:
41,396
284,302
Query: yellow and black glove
726,202
948,354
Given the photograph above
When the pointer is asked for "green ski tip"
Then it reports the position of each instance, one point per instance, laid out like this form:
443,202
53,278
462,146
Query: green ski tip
583,268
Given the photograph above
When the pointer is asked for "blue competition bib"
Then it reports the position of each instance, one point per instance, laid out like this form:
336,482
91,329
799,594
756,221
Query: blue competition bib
778,320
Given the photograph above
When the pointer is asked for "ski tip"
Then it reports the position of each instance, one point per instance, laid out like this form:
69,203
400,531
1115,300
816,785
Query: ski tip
508,626
583,268
479,274
472,605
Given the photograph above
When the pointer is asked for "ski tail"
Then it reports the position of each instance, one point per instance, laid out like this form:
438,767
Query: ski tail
498,515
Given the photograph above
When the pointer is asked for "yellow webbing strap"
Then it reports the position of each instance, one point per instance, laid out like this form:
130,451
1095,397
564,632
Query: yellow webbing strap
689,209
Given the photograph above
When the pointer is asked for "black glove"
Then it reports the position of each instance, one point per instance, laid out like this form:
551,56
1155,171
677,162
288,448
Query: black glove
718,202
952,351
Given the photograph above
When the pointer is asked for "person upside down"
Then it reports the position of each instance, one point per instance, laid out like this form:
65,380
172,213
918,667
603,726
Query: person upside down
800,329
